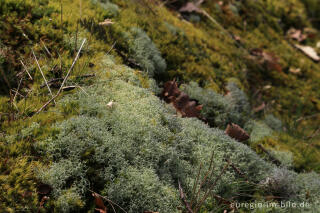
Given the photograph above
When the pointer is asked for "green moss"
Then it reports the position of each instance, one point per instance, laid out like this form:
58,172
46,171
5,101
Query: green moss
139,133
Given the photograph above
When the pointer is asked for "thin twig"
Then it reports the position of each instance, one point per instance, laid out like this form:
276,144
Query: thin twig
45,80
61,18
15,95
74,62
221,199
183,197
195,185
18,93
237,170
111,47
205,178
51,81
65,79
82,90
26,69
274,160
198,206
314,134
47,50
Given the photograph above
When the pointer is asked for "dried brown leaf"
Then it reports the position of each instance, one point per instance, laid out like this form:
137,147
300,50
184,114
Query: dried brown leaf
296,35
106,22
180,100
189,8
236,132
99,203
308,51
270,60
294,70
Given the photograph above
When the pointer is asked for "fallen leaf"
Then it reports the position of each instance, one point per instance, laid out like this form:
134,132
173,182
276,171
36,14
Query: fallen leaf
110,104
237,38
236,132
295,70
259,108
296,35
106,22
99,203
318,44
189,8
270,60
180,100
308,51
266,87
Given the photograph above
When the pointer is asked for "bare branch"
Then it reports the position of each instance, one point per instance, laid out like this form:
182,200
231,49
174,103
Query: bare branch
273,159
183,197
45,80
65,79
15,95
26,69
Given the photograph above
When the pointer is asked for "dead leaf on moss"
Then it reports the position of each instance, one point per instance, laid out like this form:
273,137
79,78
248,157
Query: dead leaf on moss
296,35
294,70
184,106
106,22
236,132
308,51
270,60
189,8
99,203
110,104
237,38
266,87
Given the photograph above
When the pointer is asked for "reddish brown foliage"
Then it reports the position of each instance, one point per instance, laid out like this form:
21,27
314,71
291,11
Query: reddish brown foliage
270,60
100,207
180,100
236,132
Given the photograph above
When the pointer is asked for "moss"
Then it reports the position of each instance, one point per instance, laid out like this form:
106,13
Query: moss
145,53
162,148
136,136
219,110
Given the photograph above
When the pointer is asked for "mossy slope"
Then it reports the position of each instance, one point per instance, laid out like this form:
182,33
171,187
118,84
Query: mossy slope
153,149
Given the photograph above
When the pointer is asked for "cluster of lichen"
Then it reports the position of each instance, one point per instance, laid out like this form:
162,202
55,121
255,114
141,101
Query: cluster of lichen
136,151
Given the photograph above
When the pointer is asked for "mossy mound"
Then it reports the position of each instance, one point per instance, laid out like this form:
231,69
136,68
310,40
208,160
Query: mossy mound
116,137
121,150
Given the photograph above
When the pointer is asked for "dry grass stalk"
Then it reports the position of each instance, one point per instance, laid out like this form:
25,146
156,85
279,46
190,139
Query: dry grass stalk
45,80
26,69
65,79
